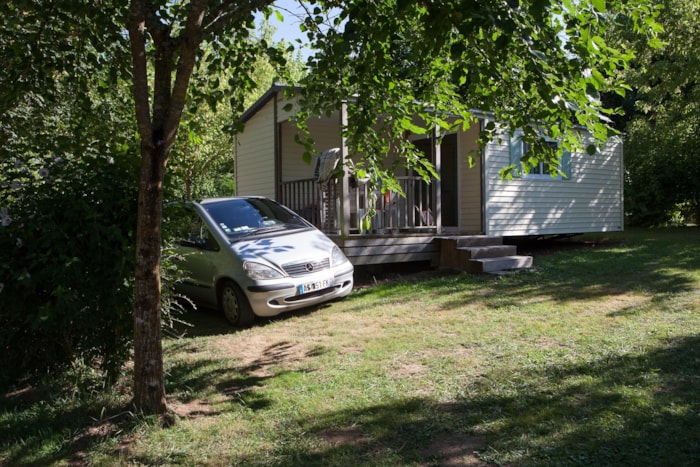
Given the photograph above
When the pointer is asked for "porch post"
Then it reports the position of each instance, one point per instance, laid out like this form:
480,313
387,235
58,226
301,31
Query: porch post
438,183
344,214
276,130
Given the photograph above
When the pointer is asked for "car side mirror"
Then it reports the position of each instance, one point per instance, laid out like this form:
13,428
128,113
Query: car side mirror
193,242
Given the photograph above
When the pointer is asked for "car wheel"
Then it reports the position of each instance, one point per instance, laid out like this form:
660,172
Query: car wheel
234,305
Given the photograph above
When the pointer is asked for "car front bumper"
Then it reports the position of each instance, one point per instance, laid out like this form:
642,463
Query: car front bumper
273,298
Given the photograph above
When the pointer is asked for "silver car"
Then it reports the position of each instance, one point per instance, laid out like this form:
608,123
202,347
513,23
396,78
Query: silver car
251,256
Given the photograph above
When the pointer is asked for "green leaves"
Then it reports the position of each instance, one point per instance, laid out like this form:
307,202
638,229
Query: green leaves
599,5
539,62
663,128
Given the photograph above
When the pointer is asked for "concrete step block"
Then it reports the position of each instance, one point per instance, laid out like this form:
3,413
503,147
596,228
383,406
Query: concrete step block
503,263
492,251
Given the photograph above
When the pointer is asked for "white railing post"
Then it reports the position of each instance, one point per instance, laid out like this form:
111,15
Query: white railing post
344,214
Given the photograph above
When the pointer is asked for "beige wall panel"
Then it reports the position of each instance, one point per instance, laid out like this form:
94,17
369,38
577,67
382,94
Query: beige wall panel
326,136
469,181
255,155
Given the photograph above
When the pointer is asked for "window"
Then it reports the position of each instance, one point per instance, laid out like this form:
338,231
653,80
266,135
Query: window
519,148
184,226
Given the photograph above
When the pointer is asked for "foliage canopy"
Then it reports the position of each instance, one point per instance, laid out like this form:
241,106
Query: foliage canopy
663,126
538,65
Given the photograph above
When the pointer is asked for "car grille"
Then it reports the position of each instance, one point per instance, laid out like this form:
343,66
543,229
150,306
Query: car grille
307,267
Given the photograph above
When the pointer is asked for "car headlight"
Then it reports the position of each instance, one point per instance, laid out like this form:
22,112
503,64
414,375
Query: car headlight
258,271
337,256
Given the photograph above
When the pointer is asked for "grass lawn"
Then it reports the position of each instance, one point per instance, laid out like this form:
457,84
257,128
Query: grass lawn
593,358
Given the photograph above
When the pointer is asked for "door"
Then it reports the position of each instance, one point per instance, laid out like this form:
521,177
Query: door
449,176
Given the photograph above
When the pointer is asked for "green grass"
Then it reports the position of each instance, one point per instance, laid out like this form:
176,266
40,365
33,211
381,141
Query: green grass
593,358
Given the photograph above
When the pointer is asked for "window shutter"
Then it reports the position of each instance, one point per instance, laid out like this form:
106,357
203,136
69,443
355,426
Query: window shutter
565,164
516,152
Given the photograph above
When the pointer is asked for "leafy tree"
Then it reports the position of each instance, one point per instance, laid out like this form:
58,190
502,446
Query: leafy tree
511,57
67,235
541,61
202,158
67,193
169,37
661,153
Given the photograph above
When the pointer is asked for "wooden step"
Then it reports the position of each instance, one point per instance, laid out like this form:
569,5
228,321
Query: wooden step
480,254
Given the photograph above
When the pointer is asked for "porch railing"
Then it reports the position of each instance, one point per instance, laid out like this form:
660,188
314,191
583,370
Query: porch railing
320,205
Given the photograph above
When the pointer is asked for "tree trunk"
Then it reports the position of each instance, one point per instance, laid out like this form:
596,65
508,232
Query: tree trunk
158,127
149,387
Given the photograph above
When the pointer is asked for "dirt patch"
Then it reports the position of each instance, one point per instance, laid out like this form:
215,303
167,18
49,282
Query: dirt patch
454,449
409,369
258,356
344,436
368,276
191,409
83,440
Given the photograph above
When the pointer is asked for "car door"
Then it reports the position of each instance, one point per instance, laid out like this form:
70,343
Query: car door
197,255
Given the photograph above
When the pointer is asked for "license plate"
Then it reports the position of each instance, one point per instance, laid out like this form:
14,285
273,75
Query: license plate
314,286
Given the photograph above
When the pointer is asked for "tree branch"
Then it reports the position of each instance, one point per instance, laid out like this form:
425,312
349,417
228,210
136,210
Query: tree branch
229,10
189,47
159,31
137,36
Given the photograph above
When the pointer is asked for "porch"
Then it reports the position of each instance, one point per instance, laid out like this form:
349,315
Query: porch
337,207
404,229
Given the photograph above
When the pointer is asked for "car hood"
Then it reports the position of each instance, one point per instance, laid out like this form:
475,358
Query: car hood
286,248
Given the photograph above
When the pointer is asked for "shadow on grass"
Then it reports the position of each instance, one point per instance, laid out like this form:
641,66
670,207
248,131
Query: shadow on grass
660,266
34,430
629,410
637,409
204,321
45,432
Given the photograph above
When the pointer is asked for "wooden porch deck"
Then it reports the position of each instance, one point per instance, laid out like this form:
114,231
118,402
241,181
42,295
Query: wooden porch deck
389,248
404,228
471,253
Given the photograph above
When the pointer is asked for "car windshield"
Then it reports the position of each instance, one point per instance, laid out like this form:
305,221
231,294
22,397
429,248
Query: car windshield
252,216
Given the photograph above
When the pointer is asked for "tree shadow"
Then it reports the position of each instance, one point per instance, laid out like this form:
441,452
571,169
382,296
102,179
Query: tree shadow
44,434
208,322
583,415
633,409
567,271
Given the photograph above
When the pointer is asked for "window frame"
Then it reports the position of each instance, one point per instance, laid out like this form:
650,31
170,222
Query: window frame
541,172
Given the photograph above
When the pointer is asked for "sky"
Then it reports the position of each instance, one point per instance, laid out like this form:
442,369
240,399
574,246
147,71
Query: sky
289,29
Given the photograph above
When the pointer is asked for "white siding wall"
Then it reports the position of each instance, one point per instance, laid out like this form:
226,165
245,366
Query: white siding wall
590,201
255,154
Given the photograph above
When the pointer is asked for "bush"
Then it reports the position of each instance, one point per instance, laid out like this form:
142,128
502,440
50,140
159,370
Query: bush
66,288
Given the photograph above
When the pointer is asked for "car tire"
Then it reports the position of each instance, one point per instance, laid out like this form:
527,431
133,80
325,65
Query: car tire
234,305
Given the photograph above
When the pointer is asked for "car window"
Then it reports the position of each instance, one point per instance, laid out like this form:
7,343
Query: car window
247,216
182,224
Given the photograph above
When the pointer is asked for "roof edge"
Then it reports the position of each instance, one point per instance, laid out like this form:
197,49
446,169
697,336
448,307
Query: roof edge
262,100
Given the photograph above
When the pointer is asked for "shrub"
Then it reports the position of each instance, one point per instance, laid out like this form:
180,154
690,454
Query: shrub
66,283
